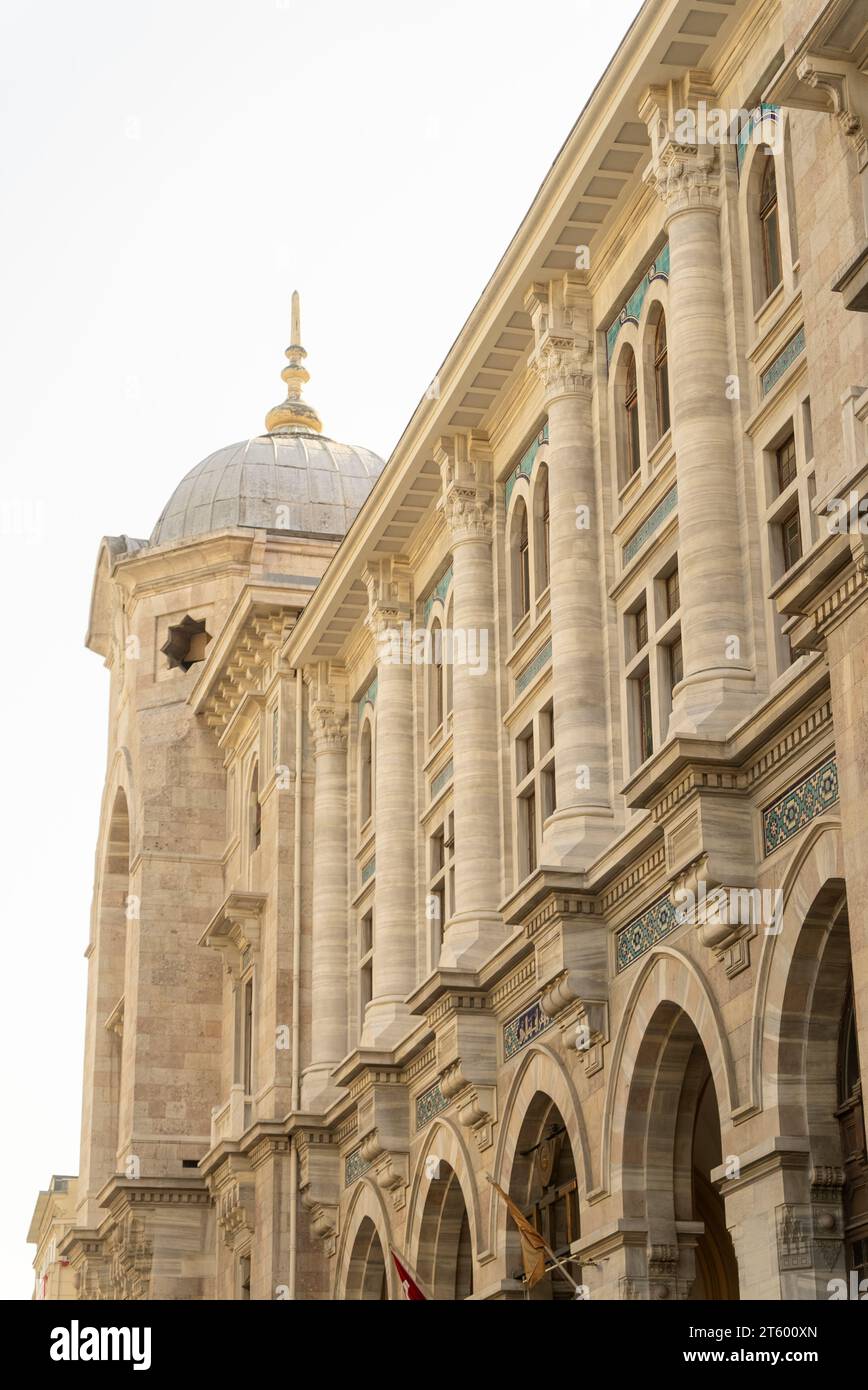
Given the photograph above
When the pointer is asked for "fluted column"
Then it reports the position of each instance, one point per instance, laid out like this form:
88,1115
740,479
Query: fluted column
387,1018
717,688
582,821
476,927
328,716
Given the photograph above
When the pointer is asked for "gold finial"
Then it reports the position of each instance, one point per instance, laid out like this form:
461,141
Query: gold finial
294,416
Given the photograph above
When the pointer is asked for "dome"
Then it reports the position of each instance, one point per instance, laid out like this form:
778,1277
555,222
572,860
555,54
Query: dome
291,478
282,482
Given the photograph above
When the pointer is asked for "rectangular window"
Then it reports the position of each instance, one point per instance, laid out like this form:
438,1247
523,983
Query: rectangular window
786,462
366,963
524,753
248,1037
676,664
529,809
791,540
673,593
641,627
646,732
441,883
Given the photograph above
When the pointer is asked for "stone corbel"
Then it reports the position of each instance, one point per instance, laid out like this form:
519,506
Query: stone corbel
384,1127
235,928
234,1190
476,1105
836,83
391,1167
710,860
319,1183
714,909
570,939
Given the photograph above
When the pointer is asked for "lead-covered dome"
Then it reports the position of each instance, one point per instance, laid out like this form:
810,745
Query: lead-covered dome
290,479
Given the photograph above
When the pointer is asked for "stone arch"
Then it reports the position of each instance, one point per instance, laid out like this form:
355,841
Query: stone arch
366,1220
654,308
629,345
445,1147
666,976
756,153
541,1072
541,528
518,529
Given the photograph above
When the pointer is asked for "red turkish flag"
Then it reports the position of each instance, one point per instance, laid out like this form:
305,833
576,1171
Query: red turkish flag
411,1289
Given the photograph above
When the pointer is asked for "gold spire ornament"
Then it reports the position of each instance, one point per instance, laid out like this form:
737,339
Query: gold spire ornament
294,416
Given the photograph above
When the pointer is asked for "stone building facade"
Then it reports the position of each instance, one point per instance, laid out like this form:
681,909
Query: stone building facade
521,834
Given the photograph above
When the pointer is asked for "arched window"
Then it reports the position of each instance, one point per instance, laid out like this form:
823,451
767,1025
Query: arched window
255,812
661,377
769,228
522,575
543,529
631,412
435,678
365,773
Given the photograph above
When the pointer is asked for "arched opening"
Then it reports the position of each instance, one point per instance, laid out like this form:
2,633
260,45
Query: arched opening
544,1186
769,224
365,773
672,1144
445,1262
366,1278
520,562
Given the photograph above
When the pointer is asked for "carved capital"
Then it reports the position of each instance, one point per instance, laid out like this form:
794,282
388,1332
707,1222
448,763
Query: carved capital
389,589
686,177
560,314
467,501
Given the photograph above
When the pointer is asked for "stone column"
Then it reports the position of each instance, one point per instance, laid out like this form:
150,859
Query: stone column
718,688
328,715
387,1018
582,823
476,927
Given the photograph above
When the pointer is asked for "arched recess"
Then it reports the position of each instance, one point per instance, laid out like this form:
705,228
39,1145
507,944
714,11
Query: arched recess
365,1269
520,555
540,1073
366,769
544,1186
656,382
810,1055
754,179
114,910
541,529
670,1145
435,695
443,1215
625,384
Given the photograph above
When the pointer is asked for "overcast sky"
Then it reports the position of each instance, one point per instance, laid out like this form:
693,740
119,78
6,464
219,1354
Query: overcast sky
171,171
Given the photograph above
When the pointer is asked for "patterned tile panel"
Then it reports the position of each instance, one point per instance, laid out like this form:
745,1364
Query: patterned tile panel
631,309
640,935
800,805
756,117
521,1030
524,467
369,869
354,1167
651,524
443,778
794,348
533,668
429,1104
440,590
369,697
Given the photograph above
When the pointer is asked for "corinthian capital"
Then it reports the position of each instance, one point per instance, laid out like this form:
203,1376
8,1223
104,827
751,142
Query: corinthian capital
327,711
388,584
686,176
467,499
563,365
563,342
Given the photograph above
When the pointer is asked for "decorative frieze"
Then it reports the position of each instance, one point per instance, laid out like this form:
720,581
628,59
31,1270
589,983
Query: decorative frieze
644,933
652,523
800,805
524,467
355,1166
533,668
785,358
631,310
442,780
429,1104
438,593
522,1030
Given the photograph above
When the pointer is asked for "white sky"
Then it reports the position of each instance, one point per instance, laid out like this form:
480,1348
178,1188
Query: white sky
171,170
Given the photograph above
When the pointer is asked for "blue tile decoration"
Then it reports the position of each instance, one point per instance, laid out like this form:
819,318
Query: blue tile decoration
429,1104
639,936
800,805
440,590
521,1030
443,778
354,1167
533,668
651,524
369,697
631,309
369,869
785,358
524,467
757,115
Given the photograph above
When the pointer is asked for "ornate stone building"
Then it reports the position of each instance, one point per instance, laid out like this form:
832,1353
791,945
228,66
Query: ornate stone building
521,833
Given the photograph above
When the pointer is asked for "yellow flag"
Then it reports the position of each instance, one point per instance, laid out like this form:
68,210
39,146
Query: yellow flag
533,1247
